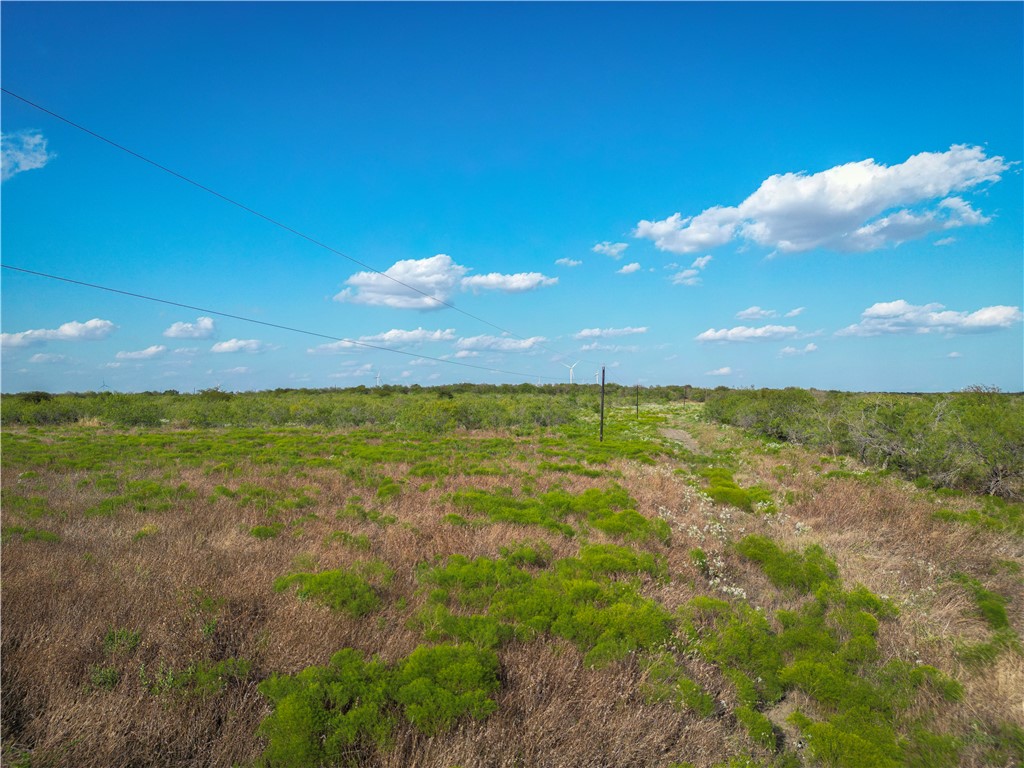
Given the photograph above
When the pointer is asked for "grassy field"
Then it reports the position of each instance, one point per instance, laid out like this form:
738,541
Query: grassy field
406,591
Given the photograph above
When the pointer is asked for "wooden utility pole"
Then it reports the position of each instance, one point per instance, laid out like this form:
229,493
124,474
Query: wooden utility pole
602,404
638,401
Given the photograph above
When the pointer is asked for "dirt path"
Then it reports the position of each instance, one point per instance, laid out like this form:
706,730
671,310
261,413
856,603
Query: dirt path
684,437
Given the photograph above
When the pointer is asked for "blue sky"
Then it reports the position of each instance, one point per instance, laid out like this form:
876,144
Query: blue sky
815,195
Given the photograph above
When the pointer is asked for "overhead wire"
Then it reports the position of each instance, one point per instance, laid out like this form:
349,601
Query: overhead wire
267,324
277,223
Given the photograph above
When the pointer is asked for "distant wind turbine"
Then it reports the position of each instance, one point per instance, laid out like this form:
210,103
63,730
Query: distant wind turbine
378,378
570,367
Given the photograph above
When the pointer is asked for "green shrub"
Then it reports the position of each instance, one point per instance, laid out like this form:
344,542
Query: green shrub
103,678
575,600
200,679
666,681
438,623
790,570
438,685
991,605
120,641
759,727
854,738
388,489
356,541
335,714
700,559
722,489
338,590
321,712
28,534
266,531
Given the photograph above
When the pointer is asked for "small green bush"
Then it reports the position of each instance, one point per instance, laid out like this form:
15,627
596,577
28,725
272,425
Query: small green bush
266,531
356,541
201,679
790,570
723,489
103,678
438,685
28,534
991,605
666,681
120,641
759,727
338,590
335,714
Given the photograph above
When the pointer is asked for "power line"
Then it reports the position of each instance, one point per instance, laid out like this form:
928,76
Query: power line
277,326
269,219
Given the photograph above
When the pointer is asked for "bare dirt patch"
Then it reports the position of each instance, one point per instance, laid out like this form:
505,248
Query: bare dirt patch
684,437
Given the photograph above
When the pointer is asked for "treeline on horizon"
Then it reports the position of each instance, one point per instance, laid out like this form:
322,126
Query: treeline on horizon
456,406
971,440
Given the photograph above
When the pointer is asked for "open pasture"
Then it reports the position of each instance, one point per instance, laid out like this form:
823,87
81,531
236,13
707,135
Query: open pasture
228,589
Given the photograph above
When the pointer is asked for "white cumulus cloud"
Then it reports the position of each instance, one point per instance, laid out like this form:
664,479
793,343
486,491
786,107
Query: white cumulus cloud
499,343
142,354
795,312
599,347
91,330
240,345
394,336
22,151
567,262
755,313
437,277
398,336
202,328
726,371
900,316
743,333
629,269
45,358
686,277
524,281
615,250
429,283
793,351
859,206
607,333
691,276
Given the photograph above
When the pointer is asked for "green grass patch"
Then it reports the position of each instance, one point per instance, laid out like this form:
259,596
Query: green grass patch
576,599
340,590
723,489
995,514
991,605
199,680
266,531
28,534
103,678
357,541
120,641
143,496
612,511
664,680
338,714
790,570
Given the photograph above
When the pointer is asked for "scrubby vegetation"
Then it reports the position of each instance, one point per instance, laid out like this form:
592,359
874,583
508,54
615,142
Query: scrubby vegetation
469,577
972,440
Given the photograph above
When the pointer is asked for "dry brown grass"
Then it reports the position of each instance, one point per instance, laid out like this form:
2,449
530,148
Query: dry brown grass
60,599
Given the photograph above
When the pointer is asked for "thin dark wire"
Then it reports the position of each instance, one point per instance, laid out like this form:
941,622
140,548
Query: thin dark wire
270,325
275,222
